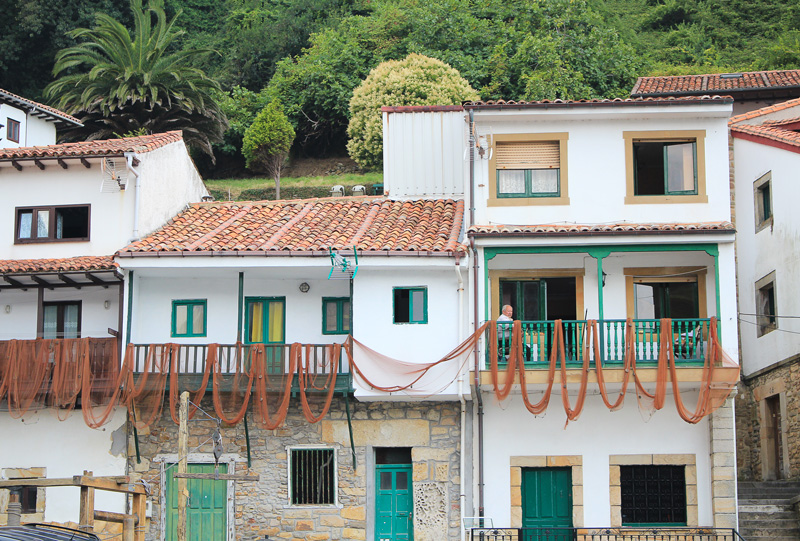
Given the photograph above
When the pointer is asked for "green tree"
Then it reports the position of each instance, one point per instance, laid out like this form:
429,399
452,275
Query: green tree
267,142
416,80
118,82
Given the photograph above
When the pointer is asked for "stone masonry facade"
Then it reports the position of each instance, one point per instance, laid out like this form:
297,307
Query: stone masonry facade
259,509
783,381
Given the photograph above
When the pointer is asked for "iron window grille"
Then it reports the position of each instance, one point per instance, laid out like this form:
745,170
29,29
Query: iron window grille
312,476
653,495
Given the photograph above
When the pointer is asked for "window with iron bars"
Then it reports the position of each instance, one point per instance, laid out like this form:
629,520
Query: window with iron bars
653,495
312,476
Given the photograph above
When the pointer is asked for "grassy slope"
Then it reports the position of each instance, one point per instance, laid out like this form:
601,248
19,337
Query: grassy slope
237,185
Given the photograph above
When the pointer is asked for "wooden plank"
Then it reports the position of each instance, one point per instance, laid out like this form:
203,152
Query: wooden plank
139,507
214,477
68,482
183,462
108,484
86,520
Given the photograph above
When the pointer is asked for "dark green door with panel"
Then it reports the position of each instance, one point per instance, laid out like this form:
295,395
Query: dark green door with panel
394,503
207,508
547,498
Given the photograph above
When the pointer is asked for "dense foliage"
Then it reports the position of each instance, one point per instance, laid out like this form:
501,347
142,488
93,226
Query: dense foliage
415,80
116,82
312,54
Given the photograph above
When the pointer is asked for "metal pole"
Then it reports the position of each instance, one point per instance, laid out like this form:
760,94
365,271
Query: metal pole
183,462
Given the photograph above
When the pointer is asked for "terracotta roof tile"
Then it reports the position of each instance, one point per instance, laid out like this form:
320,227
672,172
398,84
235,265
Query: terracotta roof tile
715,82
595,229
630,102
779,132
55,114
83,263
310,225
141,144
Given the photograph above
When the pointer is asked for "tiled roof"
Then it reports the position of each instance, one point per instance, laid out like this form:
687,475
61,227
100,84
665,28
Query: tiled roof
46,110
778,132
141,144
629,102
601,229
311,225
716,82
69,264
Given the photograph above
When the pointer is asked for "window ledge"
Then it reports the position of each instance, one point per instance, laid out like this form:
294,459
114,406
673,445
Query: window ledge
662,199
765,224
527,201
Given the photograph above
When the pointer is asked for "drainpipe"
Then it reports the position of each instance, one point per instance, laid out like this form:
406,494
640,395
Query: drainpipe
462,464
129,164
475,265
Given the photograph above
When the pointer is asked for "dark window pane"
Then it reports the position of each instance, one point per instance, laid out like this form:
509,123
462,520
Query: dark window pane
653,494
402,305
312,477
386,480
72,223
649,168
402,480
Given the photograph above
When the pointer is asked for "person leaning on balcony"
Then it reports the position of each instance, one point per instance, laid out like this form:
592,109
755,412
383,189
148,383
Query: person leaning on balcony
504,329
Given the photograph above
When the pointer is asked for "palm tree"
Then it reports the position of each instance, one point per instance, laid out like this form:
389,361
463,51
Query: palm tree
117,83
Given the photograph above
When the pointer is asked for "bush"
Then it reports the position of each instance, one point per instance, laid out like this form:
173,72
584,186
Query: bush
417,80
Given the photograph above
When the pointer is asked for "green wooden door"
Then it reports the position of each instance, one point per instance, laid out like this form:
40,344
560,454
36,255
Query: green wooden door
547,498
394,503
207,509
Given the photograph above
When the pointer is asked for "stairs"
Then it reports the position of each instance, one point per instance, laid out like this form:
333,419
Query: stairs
766,512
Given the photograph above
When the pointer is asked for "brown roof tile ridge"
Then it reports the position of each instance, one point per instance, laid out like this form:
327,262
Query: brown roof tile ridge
287,226
455,229
273,202
221,227
704,83
366,224
764,111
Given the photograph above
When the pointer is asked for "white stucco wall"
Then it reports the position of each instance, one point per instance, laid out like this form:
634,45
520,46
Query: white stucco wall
510,430
33,131
596,164
20,322
771,249
28,443
169,182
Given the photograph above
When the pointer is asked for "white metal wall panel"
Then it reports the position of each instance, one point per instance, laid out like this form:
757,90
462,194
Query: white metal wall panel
423,154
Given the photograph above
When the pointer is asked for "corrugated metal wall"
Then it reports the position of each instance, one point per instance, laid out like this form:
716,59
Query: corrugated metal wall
424,154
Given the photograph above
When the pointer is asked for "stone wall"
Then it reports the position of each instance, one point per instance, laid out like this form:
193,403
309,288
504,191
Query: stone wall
430,429
784,381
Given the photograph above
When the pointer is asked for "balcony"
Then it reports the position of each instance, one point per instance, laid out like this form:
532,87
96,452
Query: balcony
689,341
604,534
31,368
190,361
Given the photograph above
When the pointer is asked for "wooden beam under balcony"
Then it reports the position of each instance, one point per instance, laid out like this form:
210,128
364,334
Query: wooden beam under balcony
611,375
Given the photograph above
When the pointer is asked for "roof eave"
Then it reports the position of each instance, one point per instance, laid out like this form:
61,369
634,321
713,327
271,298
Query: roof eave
512,234
291,253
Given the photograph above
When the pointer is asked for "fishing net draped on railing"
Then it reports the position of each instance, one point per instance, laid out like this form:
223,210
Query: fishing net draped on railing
715,386
58,373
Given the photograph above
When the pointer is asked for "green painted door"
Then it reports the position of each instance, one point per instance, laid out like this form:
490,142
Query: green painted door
207,510
547,498
394,503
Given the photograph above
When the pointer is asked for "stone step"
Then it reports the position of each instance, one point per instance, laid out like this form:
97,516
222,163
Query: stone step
755,492
754,537
769,532
769,523
782,503
766,515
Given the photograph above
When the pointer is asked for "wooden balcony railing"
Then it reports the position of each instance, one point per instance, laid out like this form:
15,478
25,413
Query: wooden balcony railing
690,341
191,360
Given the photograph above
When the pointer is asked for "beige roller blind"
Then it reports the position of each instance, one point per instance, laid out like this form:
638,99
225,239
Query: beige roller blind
528,155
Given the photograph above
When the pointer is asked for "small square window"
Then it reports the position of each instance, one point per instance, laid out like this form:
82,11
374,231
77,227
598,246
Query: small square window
766,308
653,495
762,195
12,130
335,315
312,476
410,305
665,167
528,169
189,318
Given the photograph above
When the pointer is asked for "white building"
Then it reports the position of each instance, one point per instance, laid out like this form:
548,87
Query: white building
600,210
766,150
26,123
67,209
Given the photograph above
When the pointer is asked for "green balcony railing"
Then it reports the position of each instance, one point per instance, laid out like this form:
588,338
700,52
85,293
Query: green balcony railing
690,341
191,360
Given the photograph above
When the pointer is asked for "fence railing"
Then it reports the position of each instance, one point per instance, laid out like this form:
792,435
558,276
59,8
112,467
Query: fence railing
690,341
605,534
232,358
